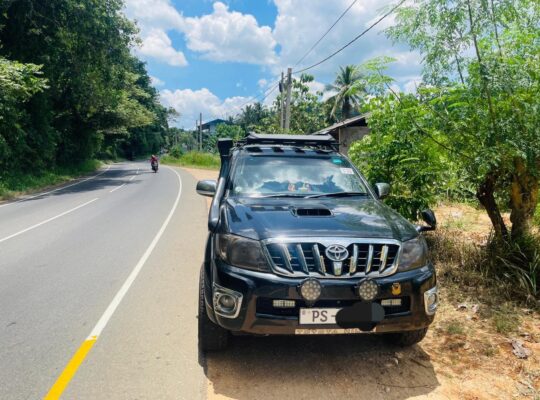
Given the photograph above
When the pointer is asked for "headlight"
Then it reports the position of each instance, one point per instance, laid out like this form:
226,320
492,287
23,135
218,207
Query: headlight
241,252
414,254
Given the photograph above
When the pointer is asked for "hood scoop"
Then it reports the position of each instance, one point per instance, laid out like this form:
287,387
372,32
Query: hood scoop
311,212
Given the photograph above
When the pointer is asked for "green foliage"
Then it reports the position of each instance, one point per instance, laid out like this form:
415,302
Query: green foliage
394,153
15,182
194,159
223,131
348,87
308,114
72,89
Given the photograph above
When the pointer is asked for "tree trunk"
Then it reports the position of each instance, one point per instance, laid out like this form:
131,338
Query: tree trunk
486,197
523,198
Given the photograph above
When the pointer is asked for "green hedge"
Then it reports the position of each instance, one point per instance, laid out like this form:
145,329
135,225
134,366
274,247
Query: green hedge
194,159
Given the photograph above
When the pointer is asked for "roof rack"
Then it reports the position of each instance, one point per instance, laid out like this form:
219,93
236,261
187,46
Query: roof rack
318,141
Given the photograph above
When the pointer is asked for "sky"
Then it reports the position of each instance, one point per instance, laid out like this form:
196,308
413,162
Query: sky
215,56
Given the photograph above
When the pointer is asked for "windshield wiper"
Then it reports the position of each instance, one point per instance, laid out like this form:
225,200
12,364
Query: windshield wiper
336,194
279,195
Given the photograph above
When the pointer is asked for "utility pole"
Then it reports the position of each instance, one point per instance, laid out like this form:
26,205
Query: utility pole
200,132
288,102
281,101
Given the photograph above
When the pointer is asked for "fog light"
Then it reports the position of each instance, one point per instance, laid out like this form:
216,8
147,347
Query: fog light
310,289
368,290
391,302
431,300
227,302
284,303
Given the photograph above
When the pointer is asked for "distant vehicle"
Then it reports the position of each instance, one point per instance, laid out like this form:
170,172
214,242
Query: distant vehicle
300,243
154,163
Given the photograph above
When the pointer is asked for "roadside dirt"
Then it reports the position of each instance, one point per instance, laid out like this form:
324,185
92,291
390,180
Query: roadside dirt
463,356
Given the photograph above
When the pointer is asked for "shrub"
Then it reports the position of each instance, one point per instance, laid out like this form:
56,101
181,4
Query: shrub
194,159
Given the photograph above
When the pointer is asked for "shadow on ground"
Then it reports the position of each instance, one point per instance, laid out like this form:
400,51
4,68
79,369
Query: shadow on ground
325,367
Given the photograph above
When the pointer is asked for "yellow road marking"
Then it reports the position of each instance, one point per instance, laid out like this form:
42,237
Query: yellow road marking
70,370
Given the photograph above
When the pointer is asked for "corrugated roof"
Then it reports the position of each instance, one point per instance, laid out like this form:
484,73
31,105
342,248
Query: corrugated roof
341,124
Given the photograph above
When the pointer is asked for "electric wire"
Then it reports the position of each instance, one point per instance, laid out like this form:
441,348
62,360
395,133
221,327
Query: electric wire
326,33
353,40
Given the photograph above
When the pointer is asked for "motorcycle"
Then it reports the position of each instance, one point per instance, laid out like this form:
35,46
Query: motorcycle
155,166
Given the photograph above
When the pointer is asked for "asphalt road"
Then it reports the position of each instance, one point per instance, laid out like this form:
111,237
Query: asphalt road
123,248
98,300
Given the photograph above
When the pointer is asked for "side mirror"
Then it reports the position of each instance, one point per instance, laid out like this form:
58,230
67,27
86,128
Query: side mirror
382,190
206,188
429,218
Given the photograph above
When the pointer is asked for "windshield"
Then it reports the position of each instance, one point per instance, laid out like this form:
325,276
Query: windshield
258,176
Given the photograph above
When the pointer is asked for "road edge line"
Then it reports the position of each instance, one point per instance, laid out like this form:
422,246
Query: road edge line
73,365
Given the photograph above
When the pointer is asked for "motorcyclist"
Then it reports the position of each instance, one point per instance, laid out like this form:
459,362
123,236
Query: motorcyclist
153,160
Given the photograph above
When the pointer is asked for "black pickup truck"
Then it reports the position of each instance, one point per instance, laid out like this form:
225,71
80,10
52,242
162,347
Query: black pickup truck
300,243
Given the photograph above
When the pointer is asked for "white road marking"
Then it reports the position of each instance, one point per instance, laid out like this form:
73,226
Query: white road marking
47,220
118,187
133,177
56,190
102,323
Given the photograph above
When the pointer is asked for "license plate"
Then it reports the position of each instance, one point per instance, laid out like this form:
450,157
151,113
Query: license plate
338,331
318,316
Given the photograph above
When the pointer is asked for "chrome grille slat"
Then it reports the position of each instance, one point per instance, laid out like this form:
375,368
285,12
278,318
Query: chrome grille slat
384,256
354,260
286,257
302,257
369,259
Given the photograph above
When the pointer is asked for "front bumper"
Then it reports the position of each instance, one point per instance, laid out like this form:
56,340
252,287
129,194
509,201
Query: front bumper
257,315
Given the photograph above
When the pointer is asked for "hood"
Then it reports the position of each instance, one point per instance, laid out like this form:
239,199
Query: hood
260,219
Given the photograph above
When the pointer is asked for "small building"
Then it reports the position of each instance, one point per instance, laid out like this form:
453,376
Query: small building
348,131
210,126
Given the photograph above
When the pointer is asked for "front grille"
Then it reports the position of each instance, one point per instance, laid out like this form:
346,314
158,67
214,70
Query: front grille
308,258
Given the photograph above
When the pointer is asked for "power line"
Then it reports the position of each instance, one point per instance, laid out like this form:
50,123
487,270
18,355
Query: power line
326,33
352,41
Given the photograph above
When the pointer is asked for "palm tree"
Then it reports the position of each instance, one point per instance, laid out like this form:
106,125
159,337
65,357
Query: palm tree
348,87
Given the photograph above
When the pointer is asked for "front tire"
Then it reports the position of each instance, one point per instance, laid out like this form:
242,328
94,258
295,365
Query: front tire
212,337
407,338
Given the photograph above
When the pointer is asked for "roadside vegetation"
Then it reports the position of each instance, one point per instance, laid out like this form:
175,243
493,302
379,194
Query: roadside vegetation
71,91
193,159
17,183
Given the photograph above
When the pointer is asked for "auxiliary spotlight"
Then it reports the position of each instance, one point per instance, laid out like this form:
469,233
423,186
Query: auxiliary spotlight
310,289
368,290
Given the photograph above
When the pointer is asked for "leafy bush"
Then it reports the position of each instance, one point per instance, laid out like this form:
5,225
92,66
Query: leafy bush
397,154
176,152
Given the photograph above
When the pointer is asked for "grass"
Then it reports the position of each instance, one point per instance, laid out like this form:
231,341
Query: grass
12,185
194,159
455,328
506,319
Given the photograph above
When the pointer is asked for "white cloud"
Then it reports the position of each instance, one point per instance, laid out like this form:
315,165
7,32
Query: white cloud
156,81
412,85
154,14
189,103
230,36
158,45
262,83
308,20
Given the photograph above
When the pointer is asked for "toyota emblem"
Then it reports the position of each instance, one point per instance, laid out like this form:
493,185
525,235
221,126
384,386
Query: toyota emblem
337,252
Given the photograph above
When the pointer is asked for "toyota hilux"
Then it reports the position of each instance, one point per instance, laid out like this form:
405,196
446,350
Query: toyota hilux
300,243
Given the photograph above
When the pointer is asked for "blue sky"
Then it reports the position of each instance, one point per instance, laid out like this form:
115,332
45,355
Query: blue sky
214,56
